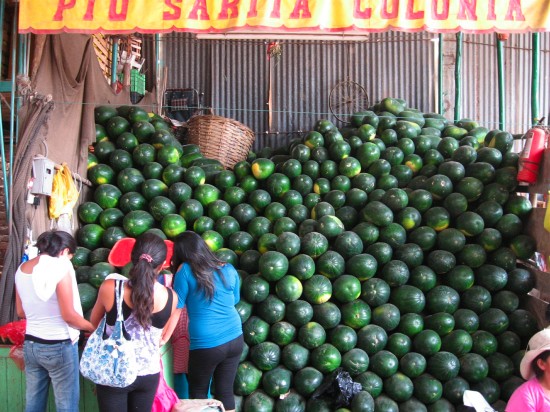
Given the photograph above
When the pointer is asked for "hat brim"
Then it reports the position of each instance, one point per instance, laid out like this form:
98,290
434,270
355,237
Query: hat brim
525,367
121,252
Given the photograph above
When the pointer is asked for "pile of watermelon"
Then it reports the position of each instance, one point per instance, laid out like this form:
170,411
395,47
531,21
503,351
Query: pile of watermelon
387,249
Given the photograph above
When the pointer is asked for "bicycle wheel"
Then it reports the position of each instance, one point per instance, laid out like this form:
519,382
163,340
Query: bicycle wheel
346,98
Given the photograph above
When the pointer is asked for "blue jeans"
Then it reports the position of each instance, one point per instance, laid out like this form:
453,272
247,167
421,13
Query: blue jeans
58,364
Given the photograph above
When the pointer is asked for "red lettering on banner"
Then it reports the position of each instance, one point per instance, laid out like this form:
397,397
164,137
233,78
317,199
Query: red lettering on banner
444,14
61,6
199,6
394,9
361,14
228,5
514,8
89,16
491,15
175,14
253,10
301,7
116,16
411,14
467,7
276,12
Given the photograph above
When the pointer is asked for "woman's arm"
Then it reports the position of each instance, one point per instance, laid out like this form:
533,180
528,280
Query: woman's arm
105,295
174,300
64,293
170,326
19,306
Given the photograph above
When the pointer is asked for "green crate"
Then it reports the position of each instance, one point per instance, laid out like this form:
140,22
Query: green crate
137,82
12,384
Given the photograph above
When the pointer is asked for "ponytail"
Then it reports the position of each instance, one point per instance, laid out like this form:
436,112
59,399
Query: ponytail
148,254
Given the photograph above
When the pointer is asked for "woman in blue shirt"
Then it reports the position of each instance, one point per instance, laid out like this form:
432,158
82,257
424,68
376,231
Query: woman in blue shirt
209,288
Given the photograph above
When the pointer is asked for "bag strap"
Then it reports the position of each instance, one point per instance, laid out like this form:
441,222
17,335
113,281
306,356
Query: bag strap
119,298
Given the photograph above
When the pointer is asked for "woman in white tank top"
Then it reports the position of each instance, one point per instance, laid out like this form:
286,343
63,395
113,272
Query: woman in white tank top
47,296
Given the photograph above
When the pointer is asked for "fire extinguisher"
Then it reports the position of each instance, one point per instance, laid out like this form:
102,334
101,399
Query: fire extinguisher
531,155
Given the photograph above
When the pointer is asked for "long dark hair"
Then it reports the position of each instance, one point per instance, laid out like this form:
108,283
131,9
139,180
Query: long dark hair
190,248
148,254
53,242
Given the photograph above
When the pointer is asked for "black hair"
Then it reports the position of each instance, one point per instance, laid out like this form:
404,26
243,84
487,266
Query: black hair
53,242
190,248
148,253
538,371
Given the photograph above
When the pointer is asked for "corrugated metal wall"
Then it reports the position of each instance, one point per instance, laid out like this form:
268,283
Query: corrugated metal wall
278,98
480,80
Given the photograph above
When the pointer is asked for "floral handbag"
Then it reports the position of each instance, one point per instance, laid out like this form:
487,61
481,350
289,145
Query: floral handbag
110,360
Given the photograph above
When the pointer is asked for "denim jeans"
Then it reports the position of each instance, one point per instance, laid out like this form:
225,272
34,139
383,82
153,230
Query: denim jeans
58,364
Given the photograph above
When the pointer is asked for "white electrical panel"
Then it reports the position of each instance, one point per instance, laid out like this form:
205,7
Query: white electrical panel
43,170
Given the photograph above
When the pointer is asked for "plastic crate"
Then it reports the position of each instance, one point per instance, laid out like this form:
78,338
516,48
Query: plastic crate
137,82
181,104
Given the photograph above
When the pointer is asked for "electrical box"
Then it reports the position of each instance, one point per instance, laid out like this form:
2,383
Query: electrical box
43,170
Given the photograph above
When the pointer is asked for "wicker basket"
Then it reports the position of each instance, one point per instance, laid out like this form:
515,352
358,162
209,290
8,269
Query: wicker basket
220,138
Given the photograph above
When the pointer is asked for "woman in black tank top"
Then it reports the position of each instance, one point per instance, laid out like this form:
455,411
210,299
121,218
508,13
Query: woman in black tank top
146,308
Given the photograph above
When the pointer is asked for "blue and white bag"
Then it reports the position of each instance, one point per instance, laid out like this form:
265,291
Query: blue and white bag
110,360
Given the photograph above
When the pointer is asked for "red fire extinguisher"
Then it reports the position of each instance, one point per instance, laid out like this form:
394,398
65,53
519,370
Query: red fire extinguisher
531,155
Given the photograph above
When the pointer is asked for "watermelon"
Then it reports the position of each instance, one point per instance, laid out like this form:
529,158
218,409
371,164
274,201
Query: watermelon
387,247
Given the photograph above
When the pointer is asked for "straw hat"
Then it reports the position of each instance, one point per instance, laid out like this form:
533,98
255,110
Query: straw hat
538,343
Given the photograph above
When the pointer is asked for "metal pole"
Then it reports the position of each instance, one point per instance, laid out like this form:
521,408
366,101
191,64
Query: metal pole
13,89
7,192
158,74
458,76
535,77
114,55
22,69
440,76
501,86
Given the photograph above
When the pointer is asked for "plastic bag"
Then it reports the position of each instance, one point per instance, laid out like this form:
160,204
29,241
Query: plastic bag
338,387
198,405
165,398
16,355
14,333
547,215
64,193
476,401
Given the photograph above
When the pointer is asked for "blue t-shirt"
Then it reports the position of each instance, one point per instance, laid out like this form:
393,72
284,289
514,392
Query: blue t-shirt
211,323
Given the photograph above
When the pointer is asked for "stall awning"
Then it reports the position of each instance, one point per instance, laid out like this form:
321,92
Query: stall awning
283,16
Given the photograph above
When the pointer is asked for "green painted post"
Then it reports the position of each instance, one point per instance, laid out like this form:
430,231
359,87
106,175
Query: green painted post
501,85
440,76
114,63
458,77
535,78
158,66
